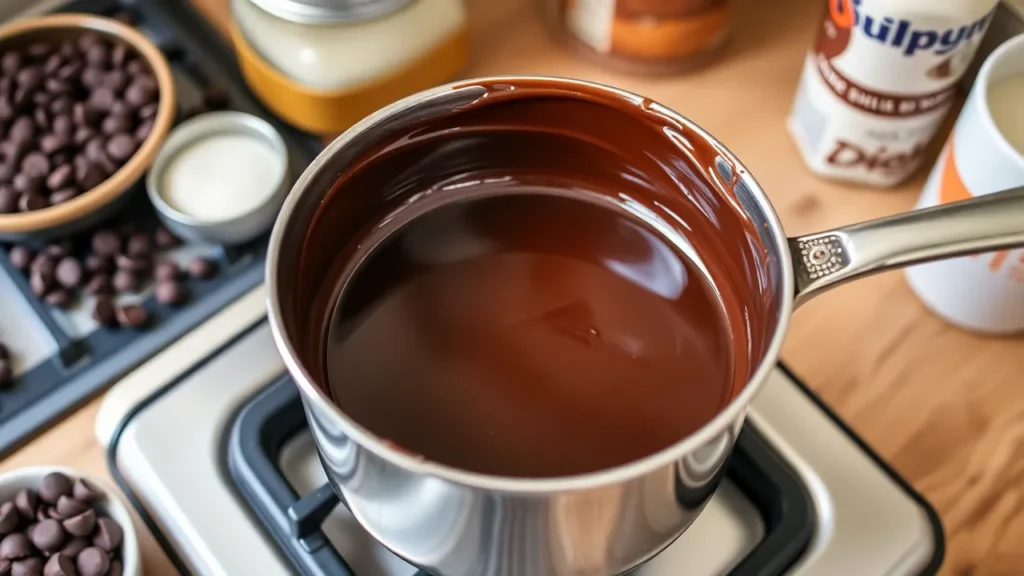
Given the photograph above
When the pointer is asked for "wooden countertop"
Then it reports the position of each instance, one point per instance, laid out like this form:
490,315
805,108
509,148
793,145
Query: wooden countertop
945,408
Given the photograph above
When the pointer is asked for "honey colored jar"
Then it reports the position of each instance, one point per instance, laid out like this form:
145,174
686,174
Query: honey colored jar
646,36
322,65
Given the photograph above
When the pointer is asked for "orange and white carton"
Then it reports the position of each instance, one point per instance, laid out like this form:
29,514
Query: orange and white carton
983,154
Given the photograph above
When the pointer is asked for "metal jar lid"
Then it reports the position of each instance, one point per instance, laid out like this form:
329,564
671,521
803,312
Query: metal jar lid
330,11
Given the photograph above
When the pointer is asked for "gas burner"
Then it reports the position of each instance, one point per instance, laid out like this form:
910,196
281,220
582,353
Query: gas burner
239,489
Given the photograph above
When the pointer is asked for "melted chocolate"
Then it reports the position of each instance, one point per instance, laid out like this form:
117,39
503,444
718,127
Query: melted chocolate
543,283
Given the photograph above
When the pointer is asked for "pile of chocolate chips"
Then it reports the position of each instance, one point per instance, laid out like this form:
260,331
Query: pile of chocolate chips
57,530
111,261
72,112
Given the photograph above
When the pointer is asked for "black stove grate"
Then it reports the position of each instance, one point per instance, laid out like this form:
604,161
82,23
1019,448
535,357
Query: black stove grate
201,61
275,416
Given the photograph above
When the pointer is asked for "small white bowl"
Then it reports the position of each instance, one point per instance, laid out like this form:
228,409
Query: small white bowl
111,504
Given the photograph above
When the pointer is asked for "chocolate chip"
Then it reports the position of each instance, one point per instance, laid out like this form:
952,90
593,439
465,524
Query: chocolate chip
139,245
81,525
99,284
60,298
121,147
96,263
44,262
68,507
126,281
167,270
170,292
40,282
103,312
84,115
74,547
202,268
165,239
53,486
92,562
48,536
60,177
149,111
11,62
108,534
57,86
58,250
50,145
23,129
82,135
41,514
39,50
32,201
42,100
102,97
132,316
29,78
84,491
15,545
35,165
142,132
136,68
60,108
5,567
8,200
141,91
9,516
97,55
63,195
69,70
116,569
106,243
132,264
26,501
60,565
21,257
69,274
27,567
116,124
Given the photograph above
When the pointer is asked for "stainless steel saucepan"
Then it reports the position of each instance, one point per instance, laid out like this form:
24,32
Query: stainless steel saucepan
453,522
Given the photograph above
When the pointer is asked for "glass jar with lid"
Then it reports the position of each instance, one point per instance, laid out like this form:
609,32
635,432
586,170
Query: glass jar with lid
645,36
322,65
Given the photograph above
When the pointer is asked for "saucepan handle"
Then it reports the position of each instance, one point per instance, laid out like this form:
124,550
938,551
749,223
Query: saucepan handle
826,259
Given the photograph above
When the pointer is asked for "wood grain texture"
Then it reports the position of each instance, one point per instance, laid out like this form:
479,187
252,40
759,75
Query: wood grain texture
945,408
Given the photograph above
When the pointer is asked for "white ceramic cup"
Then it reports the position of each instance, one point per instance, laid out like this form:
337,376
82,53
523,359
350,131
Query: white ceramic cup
982,293
111,505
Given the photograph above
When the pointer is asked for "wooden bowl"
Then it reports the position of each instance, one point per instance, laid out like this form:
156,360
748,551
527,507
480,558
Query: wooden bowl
93,205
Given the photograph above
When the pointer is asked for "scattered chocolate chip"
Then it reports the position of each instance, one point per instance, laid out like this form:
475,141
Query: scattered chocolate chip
40,282
53,486
132,316
21,257
132,264
81,525
106,243
58,250
103,311
165,239
44,262
139,245
60,564
202,268
126,281
99,284
32,566
92,562
48,536
96,263
170,292
60,298
84,491
14,546
70,274
167,270
9,517
26,501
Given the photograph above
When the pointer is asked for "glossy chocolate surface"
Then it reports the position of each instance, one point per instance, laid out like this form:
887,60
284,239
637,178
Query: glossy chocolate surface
543,283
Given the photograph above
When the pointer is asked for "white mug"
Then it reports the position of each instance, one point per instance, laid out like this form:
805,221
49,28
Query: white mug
983,154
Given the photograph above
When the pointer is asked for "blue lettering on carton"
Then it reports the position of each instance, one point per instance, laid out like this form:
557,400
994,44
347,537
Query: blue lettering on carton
910,39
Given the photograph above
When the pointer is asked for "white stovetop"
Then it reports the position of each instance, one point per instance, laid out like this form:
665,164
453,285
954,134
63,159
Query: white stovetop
867,524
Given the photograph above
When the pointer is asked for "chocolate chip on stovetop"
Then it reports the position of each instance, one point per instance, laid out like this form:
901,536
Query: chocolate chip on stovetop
48,536
106,243
55,485
164,238
21,257
132,316
92,562
60,564
170,292
103,313
202,268
26,501
69,272
126,281
9,518
60,298
99,284
32,566
15,545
